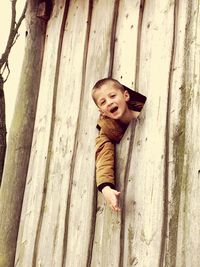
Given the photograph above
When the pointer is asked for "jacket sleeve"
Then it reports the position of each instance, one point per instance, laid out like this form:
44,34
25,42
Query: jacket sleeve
110,133
105,154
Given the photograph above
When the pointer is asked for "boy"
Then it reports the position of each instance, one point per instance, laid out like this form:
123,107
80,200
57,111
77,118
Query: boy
118,105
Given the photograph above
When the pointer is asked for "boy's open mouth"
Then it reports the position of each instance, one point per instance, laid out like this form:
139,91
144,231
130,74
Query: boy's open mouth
112,110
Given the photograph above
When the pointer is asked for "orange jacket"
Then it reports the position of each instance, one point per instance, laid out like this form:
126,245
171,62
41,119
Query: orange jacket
111,132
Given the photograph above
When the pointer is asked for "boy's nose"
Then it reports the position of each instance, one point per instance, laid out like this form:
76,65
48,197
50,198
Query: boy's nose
109,102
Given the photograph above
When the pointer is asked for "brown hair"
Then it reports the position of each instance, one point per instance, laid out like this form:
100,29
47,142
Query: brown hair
103,81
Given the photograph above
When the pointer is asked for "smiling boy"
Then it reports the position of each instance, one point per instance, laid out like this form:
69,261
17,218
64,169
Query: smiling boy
118,105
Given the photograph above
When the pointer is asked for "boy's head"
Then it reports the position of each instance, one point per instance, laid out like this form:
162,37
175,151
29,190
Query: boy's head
111,98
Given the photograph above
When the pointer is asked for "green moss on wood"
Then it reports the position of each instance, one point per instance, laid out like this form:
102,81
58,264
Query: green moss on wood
179,191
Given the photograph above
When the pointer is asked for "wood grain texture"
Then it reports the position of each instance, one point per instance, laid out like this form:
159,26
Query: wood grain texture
184,153
145,187
35,192
98,62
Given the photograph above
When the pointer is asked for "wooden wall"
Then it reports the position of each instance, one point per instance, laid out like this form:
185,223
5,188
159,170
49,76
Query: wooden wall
154,47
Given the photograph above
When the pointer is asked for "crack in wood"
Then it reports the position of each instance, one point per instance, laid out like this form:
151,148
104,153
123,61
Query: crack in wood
167,140
113,37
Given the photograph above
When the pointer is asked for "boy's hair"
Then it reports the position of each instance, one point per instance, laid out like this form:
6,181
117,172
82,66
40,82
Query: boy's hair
104,81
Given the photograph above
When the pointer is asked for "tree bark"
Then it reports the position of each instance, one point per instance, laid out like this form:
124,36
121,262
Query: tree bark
2,128
20,136
5,66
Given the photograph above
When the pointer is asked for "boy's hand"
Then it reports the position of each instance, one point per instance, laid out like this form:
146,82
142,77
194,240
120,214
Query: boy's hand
112,197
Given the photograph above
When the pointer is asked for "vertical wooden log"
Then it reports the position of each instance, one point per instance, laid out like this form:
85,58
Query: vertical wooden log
20,138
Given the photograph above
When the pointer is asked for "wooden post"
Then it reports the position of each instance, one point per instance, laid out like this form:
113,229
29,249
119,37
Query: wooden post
20,137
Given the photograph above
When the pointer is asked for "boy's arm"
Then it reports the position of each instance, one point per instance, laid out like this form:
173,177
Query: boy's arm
110,133
105,151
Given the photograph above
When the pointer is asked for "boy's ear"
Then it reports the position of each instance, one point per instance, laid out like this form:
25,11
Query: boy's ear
126,95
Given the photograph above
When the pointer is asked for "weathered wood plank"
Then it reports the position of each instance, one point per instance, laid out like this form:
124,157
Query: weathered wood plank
107,251
55,219
174,142
35,187
126,41
82,219
64,138
127,54
188,229
184,215
145,185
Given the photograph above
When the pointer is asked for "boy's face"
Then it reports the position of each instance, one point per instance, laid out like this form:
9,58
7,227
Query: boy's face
111,101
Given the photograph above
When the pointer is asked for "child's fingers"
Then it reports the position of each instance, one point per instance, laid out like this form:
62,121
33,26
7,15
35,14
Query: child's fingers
115,206
112,199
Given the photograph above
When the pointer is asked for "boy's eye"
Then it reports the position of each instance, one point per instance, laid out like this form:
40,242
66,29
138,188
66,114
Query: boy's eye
102,102
112,95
